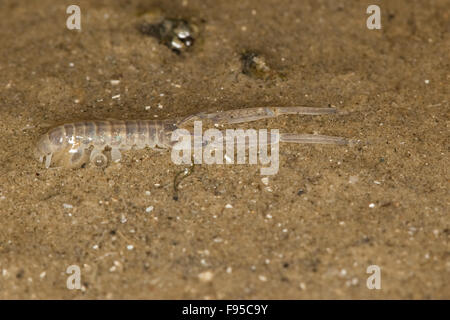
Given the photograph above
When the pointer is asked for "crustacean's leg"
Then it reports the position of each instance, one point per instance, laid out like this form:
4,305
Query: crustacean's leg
253,114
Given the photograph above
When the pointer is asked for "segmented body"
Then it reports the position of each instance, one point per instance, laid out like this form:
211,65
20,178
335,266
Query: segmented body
69,143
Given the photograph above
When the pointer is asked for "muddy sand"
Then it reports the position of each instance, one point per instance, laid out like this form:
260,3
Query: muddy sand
310,231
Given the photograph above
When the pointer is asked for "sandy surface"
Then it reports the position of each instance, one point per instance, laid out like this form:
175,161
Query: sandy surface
383,202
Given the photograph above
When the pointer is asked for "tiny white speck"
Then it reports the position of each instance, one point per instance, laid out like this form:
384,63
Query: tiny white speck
265,180
228,159
285,230
67,206
343,272
427,81
149,209
95,246
148,107
71,64
114,82
262,278
130,247
229,270
229,206
377,182
42,275
117,96
160,106
147,193
372,205
269,216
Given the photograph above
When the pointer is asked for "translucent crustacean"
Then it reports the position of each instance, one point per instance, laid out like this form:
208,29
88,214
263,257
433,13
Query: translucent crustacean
74,144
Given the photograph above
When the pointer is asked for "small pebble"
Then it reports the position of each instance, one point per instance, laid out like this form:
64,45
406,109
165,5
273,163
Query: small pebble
229,206
353,179
262,278
206,276
117,96
130,247
67,206
149,209
114,82
372,205
265,180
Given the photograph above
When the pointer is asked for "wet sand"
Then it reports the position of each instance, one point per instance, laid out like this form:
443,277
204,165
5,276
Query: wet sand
310,231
